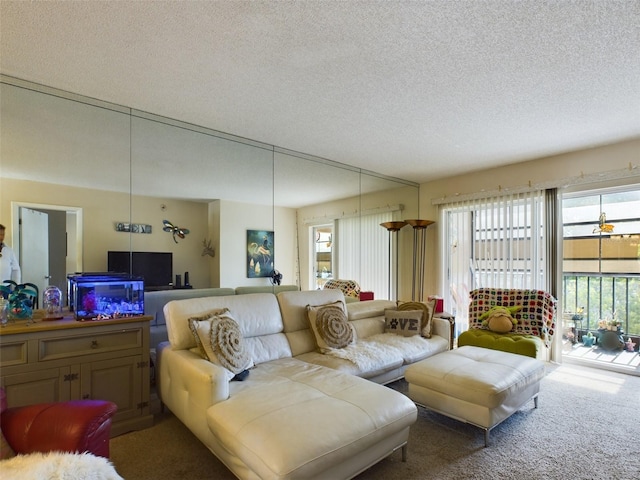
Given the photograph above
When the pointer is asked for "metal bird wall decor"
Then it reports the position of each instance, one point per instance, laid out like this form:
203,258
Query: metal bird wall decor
176,231
208,249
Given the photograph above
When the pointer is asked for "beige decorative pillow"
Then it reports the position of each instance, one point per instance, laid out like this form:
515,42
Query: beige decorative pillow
428,308
330,326
223,343
403,322
205,316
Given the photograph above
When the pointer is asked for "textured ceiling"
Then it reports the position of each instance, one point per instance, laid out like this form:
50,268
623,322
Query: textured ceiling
415,90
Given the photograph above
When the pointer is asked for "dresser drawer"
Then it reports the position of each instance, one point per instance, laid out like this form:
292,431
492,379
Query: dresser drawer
13,353
63,347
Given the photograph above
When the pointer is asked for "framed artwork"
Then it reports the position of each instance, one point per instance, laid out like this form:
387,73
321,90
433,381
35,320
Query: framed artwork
133,227
260,248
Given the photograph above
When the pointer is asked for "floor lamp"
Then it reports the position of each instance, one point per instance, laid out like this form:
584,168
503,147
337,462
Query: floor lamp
393,227
419,247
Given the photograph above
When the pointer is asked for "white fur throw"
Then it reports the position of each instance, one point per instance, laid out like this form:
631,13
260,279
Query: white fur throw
378,351
58,466
408,346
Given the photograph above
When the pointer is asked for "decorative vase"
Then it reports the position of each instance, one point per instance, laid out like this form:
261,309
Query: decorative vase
20,311
588,341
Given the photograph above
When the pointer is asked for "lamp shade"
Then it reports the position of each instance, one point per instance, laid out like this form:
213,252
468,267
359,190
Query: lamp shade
393,226
415,223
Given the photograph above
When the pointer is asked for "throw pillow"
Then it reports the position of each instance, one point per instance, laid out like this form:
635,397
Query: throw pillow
205,316
223,342
428,308
330,326
403,322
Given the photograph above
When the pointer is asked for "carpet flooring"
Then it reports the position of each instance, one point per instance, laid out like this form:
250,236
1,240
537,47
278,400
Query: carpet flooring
586,427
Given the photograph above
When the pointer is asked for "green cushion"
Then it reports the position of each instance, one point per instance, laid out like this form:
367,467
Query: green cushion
528,345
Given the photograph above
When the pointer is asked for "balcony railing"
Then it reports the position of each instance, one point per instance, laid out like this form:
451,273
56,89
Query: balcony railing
603,296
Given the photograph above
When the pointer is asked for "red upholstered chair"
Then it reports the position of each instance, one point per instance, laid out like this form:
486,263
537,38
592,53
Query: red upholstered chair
72,426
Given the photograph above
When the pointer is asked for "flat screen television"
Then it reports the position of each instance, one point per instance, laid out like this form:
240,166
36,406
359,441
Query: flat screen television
155,267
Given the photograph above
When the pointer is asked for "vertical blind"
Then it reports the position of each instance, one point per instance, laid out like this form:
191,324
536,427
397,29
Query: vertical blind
492,242
363,247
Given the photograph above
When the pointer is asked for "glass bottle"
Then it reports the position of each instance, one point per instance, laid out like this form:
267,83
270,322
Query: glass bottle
4,311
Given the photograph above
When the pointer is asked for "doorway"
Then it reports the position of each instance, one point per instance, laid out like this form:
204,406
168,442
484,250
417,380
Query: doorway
322,254
63,240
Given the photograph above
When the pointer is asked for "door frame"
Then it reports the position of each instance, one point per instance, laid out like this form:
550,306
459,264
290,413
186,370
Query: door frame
313,280
76,211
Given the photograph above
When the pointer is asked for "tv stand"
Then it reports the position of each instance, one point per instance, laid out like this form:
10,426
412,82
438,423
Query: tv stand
158,288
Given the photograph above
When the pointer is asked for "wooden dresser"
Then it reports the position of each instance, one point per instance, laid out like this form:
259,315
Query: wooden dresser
49,361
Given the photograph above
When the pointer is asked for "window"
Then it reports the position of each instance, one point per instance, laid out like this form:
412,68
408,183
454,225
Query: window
363,253
493,242
355,248
601,264
322,250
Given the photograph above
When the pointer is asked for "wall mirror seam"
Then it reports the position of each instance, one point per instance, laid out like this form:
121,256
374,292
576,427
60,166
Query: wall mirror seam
107,164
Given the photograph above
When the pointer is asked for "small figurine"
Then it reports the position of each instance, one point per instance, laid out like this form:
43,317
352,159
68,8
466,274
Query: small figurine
629,345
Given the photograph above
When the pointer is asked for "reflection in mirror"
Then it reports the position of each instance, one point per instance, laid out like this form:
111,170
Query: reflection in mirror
315,195
386,257
113,167
197,179
51,143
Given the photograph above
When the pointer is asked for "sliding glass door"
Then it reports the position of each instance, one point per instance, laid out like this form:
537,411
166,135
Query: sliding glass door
601,277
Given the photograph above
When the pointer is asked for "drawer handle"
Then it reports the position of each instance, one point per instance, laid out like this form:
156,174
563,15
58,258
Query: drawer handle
94,344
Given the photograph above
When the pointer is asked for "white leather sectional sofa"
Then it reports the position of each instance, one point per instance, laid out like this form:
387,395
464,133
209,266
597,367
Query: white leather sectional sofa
300,413
154,303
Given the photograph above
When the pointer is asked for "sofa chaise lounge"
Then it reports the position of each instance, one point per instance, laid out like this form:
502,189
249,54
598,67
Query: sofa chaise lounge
299,413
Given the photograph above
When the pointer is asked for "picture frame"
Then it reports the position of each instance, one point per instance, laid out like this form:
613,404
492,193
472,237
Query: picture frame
260,253
133,227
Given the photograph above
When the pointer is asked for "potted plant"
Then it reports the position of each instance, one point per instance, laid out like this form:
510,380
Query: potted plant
579,315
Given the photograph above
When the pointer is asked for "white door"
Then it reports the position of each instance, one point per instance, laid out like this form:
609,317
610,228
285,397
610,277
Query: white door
34,248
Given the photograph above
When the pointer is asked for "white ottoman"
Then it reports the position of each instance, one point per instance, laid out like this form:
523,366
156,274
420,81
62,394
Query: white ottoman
476,385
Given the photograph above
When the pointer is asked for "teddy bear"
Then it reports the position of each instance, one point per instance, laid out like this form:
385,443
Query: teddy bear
499,319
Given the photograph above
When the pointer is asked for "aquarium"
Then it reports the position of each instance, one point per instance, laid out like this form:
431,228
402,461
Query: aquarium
103,296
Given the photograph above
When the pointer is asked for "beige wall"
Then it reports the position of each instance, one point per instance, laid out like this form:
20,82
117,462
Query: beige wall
225,223
101,210
235,219
585,169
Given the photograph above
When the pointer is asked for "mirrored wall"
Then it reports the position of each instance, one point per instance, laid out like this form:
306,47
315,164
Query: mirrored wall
121,175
